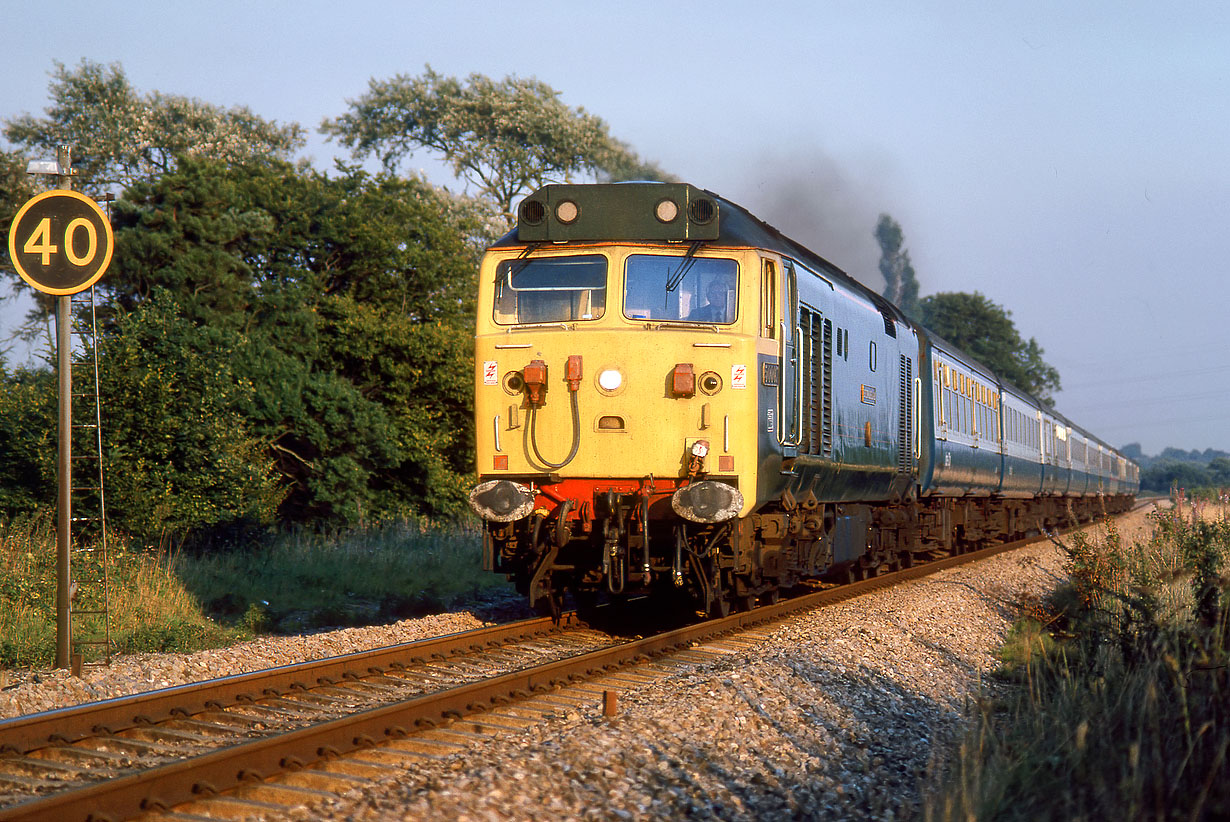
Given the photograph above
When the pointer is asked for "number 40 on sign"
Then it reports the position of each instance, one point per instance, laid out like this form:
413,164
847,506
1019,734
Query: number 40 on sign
61,242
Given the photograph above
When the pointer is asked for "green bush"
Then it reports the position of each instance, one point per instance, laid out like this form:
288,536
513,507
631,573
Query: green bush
1123,712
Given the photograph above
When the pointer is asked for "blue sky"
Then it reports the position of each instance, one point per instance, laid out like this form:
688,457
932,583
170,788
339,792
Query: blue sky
1068,160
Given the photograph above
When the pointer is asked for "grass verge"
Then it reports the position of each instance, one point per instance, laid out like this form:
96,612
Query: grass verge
306,581
181,602
151,609
1117,703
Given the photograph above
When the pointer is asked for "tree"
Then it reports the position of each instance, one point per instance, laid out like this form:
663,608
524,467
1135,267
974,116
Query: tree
180,457
505,138
15,188
900,284
233,240
985,330
1219,471
28,416
348,301
1164,475
120,136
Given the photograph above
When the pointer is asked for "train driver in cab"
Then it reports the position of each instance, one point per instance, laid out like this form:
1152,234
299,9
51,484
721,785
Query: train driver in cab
720,308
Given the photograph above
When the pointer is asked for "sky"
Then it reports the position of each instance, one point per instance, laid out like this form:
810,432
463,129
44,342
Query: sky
1071,161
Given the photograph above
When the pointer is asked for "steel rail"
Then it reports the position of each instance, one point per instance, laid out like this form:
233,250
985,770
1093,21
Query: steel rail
162,787
66,725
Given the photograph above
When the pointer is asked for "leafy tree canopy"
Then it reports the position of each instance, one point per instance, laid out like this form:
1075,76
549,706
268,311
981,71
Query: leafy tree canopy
986,331
900,283
504,138
180,454
28,416
345,303
15,188
121,136
234,240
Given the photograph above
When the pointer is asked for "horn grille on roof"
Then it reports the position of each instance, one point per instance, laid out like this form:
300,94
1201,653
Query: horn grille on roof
618,211
701,211
533,212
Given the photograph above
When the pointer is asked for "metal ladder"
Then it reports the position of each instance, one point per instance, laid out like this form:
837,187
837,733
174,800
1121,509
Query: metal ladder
89,560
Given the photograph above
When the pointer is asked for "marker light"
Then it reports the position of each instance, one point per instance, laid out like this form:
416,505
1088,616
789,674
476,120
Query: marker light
610,380
567,211
666,211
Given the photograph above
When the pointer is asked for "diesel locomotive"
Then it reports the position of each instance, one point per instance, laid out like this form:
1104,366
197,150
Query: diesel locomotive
674,399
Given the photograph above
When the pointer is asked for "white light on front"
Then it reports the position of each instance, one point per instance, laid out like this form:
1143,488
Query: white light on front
610,380
666,211
567,211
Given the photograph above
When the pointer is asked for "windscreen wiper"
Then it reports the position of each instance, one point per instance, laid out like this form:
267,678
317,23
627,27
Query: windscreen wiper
685,266
522,260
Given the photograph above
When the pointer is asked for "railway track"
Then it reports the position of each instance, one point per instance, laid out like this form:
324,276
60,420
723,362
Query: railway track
246,745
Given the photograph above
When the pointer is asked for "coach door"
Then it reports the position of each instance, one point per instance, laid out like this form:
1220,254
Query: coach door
789,395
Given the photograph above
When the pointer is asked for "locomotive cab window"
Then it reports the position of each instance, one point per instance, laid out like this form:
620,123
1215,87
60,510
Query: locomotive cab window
681,289
550,289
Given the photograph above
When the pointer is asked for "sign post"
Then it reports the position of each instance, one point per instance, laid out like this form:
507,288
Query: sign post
60,242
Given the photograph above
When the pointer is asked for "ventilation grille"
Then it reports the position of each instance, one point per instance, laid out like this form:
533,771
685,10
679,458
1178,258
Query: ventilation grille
817,365
905,418
890,327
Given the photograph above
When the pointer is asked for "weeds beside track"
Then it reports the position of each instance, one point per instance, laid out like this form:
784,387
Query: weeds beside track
1118,705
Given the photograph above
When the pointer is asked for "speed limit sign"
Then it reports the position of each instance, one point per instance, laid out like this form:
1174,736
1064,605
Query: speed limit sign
60,242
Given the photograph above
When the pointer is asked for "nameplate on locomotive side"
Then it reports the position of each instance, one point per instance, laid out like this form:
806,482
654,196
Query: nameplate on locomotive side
868,395
769,373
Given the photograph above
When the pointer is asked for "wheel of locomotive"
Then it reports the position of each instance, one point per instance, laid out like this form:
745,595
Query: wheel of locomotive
772,596
747,602
720,596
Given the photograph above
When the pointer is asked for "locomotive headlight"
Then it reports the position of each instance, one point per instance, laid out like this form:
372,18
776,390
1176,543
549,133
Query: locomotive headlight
610,379
707,501
502,500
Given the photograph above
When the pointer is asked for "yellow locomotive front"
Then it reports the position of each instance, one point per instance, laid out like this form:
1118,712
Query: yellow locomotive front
615,392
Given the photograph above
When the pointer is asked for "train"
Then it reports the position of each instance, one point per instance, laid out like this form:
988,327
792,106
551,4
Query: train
673,399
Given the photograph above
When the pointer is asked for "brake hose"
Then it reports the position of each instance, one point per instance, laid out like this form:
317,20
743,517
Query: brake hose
576,434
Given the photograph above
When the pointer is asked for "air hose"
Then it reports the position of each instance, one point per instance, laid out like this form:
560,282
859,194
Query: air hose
576,434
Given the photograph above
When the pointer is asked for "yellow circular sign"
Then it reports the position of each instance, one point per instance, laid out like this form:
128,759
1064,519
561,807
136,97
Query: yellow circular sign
60,242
